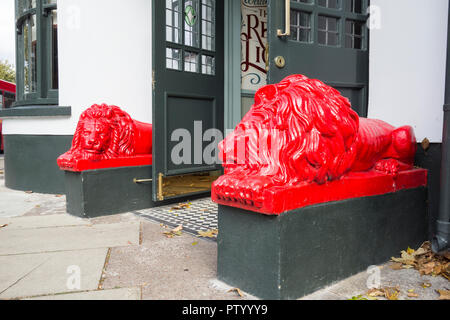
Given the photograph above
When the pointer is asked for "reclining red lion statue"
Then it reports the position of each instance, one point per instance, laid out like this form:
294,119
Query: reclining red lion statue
105,137
303,135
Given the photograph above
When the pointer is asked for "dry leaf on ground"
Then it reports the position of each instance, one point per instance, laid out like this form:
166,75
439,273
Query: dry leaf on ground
392,293
424,260
181,206
445,294
174,232
376,293
238,291
208,234
3,225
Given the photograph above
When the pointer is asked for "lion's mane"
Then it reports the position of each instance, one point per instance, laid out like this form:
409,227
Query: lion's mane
314,128
122,136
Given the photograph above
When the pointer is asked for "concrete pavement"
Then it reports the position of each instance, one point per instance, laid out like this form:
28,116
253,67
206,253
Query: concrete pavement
48,254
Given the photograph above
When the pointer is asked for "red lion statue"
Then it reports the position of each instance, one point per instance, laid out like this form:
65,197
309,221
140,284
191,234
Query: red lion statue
106,133
301,131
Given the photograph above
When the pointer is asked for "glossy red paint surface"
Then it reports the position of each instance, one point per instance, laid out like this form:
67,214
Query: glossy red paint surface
107,137
302,144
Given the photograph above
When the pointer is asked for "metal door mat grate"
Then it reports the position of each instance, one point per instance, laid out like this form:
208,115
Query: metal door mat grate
195,216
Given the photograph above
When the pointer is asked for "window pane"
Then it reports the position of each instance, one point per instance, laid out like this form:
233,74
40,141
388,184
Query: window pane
208,65
354,34
25,5
173,16
328,31
331,4
9,99
355,6
54,52
301,26
1,100
173,59
30,55
208,25
191,25
190,61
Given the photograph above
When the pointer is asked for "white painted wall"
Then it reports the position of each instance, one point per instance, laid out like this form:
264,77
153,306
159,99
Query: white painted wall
105,56
407,65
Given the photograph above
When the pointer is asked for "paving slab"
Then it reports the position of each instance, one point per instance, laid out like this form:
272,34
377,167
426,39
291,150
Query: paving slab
113,294
22,241
15,203
183,267
34,222
404,280
51,273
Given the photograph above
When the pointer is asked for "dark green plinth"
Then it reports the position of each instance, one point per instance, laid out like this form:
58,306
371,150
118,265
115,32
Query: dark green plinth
301,251
102,192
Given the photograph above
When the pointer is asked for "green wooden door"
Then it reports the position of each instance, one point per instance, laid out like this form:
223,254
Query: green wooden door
328,41
188,89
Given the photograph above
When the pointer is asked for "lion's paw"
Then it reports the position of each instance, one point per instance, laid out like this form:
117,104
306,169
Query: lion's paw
388,166
244,190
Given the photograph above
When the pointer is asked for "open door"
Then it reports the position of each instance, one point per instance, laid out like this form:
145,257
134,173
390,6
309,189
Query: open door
188,89
322,39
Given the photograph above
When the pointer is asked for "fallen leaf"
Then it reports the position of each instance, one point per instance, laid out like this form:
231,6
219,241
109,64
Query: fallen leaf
392,293
174,232
181,206
238,291
360,297
194,243
3,226
425,285
29,191
396,266
413,295
376,293
445,294
208,234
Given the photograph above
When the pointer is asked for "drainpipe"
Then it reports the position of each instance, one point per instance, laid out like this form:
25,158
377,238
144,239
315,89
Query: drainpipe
441,240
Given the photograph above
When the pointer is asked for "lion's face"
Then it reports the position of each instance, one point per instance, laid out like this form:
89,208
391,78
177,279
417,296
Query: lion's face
95,136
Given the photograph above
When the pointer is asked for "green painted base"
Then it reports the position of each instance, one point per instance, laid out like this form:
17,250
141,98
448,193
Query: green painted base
301,251
30,162
95,193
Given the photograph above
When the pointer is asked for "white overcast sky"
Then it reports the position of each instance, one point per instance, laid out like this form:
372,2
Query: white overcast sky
7,41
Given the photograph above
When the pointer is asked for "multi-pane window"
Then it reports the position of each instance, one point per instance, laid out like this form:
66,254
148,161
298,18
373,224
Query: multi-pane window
331,4
301,26
328,31
354,6
190,35
333,23
37,52
354,34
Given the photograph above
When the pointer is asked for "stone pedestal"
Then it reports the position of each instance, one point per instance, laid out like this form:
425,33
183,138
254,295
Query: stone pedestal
300,251
94,193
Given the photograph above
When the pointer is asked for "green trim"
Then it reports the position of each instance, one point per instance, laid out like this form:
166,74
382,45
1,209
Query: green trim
232,63
43,94
30,162
36,111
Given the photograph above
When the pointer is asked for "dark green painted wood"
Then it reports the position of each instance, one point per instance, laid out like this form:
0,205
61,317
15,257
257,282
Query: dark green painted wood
30,162
180,98
430,159
345,69
293,255
36,111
